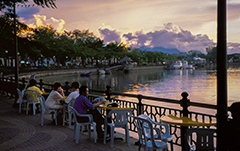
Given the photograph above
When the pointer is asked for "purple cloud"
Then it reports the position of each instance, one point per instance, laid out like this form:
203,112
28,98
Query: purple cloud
170,37
109,35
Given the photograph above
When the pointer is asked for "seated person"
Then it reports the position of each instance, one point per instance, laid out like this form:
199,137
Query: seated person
84,106
74,94
55,95
32,86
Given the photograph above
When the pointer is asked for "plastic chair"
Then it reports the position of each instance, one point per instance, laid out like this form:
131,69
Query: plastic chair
164,136
31,97
146,136
121,120
67,110
203,139
77,125
20,99
43,110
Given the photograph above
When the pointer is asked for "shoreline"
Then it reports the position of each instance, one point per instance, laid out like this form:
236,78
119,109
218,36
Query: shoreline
93,70
78,71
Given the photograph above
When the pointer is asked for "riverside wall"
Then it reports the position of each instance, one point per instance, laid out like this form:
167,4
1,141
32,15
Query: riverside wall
78,71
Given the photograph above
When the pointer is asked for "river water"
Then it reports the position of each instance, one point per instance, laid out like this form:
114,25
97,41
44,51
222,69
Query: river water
200,84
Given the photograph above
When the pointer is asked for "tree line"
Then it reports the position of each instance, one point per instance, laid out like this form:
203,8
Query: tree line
45,43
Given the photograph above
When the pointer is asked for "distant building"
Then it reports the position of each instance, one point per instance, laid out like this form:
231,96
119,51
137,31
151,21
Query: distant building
199,60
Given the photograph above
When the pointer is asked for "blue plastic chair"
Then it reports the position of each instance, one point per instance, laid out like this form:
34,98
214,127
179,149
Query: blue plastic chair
146,136
31,97
164,136
66,109
20,99
121,120
77,125
202,139
44,110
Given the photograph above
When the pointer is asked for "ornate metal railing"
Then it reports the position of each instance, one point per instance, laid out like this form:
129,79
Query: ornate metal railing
153,111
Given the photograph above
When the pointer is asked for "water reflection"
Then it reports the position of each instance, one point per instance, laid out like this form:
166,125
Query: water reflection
201,84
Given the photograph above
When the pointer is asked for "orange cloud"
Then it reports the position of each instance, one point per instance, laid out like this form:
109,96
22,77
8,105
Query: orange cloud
41,20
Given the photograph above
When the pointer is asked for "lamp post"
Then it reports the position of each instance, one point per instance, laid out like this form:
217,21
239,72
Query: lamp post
6,60
15,45
222,107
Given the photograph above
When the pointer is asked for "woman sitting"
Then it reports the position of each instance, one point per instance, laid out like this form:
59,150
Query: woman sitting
55,95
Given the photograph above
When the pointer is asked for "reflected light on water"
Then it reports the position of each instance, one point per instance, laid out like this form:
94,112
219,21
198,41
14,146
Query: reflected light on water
200,84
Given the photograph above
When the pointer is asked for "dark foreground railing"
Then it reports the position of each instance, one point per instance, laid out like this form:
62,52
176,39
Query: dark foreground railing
154,111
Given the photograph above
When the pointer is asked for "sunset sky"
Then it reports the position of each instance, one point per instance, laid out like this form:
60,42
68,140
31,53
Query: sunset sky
182,24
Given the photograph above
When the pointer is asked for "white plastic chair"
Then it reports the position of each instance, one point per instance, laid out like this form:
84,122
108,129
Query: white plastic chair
31,95
20,99
121,120
146,136
43,110
164,136
77,125
202,139
67,110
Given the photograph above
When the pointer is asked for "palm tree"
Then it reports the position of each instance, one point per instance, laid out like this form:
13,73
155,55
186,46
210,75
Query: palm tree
43,3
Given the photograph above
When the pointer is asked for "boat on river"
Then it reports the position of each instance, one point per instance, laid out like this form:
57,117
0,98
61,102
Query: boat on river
185,65
177,65
101,72
85,74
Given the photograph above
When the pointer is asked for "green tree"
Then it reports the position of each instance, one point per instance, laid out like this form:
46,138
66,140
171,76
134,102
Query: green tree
45,40
195,53
115,50
211,53
7,35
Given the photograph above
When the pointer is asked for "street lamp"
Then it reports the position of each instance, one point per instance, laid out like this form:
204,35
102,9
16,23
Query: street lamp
15,45
6,61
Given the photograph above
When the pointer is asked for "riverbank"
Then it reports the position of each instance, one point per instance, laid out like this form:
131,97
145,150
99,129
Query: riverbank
77,71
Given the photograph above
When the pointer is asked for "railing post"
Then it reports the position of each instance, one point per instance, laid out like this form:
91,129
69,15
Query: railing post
184,104
108,92
41,83
67,87
139,105
23,82
11,80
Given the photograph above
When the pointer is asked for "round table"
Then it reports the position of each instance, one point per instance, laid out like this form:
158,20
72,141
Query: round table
184,122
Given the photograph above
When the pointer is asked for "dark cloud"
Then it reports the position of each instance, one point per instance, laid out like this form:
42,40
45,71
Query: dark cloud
109,35
27,13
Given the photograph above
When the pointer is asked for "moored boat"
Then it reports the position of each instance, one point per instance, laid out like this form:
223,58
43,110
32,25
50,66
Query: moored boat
85,73
178,65
101,72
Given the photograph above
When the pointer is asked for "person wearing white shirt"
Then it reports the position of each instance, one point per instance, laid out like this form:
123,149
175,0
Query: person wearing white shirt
74,94
72,97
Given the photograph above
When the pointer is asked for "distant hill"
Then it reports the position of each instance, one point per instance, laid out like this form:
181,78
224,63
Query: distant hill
161,49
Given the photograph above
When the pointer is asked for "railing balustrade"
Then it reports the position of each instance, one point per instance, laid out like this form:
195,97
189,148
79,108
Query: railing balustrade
153,111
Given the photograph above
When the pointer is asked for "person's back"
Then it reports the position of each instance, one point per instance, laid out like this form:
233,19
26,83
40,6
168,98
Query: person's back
32,86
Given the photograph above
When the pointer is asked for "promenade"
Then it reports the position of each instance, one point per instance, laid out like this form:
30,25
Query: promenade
23,132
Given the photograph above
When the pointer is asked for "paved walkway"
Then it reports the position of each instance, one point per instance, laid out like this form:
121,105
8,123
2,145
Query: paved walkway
23,132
